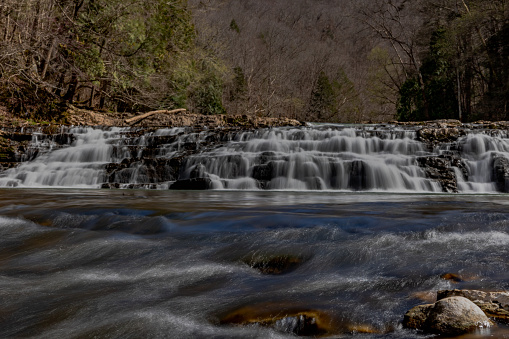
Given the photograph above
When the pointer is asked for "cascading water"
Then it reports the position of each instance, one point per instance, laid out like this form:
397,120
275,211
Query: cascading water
315,159
81,164
366,158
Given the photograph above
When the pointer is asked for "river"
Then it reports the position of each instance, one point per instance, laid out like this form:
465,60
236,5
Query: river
85,263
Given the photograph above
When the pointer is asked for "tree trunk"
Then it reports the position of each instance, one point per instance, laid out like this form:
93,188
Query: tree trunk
138,118
47,59
71,92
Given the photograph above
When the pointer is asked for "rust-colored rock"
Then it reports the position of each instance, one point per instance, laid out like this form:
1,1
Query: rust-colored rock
303,322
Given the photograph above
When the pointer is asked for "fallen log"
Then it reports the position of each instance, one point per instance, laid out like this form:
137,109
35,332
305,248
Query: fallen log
140,117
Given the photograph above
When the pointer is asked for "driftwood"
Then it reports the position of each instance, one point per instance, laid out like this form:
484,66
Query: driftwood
138,118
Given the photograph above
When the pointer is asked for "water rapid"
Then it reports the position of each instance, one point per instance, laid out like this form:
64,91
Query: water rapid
82,263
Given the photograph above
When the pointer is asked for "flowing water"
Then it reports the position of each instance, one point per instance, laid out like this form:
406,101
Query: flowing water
171,264
80,262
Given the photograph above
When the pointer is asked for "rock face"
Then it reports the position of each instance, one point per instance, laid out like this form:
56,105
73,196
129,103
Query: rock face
493,304
449,316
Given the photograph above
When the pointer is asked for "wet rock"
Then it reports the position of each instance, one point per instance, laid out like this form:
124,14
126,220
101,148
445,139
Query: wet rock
493,304
300,324
144,171
294,321
501,173
416,317
192,184
263,172
110,185
358,176
452,277
274,264
365,329
448,316
199,171
439,168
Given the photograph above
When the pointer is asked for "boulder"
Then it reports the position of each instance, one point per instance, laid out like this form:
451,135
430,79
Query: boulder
448,316
493,304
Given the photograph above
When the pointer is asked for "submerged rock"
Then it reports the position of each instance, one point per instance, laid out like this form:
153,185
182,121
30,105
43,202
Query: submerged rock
294,321
300,324
449,316
274,264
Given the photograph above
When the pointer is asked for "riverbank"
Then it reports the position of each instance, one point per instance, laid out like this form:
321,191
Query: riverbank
75,116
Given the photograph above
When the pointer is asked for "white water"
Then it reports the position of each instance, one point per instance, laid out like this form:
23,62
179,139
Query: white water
313,158
79,165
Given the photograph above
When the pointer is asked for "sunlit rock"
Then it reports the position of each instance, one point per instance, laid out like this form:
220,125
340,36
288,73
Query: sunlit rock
494,304
449,316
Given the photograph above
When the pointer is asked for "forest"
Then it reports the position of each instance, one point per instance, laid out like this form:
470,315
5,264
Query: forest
313,60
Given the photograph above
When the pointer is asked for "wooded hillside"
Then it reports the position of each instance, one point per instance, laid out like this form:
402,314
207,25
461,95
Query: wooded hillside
314,60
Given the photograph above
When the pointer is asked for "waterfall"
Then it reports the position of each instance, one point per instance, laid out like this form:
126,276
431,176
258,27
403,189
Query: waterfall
81,164
338,158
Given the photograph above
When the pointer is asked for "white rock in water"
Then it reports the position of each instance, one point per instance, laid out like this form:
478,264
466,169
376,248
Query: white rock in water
449,316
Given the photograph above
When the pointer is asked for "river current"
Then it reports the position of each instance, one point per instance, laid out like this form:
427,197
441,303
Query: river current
89,263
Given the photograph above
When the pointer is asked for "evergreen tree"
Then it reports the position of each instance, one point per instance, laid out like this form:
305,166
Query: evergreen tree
323,103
